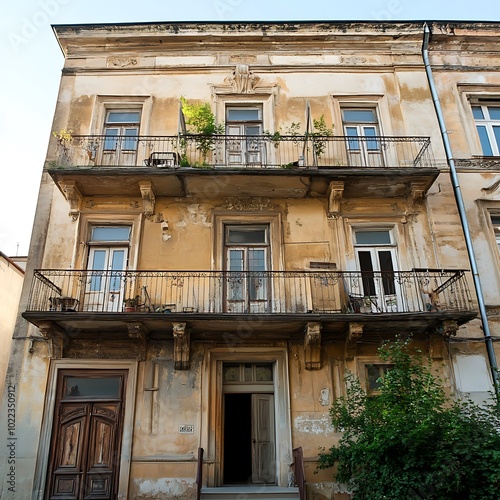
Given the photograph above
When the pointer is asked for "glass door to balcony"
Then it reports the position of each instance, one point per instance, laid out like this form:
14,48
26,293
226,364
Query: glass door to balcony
244,128
106,268
361,129
376,256
247,283
121,130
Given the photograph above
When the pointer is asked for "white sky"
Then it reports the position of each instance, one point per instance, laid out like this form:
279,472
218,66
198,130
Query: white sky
32,60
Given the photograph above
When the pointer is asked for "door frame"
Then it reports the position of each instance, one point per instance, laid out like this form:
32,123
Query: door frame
212,407
129,396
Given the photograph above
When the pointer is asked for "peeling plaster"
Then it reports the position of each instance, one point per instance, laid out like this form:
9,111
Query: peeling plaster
314,424
167,487
196,216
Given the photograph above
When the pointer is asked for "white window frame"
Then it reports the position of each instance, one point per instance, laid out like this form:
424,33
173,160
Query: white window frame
488,123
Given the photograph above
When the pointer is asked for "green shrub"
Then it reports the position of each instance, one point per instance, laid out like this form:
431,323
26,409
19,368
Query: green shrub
410,440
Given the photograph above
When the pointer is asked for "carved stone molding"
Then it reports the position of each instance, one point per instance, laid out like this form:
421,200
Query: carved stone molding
148,197
312,346
181,345
247,204
73,197
101,205
121,62
56,338
334,194
243,80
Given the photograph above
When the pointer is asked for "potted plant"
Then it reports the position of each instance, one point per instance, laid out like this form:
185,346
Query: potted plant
132,303
202,120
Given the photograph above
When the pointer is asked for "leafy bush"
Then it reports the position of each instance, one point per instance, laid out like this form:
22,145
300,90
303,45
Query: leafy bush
410,440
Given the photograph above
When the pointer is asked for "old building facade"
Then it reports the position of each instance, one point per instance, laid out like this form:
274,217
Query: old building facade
205,290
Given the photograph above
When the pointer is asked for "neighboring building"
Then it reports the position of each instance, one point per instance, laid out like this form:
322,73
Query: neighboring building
11,283
190,291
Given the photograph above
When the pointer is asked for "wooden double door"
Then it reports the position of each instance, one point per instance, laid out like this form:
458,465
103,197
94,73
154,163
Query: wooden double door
86,436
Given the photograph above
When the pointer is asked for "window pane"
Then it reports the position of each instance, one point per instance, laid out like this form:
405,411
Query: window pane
240,115
359,115
246,236
123,117
130,141
252,130
494,112
366,267
256,260
98,387
111,140
371,145
98,264
477,112
231,373
485,142
110,233
236,260
373,237
387,270
373,374
264,373
117,264
353,144
496,131
496,223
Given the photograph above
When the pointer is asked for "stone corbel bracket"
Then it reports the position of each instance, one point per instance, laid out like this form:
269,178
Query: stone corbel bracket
335,193
148,197
449,327
73,197
416,196
139,332
355,332
312,346
181,346
56,338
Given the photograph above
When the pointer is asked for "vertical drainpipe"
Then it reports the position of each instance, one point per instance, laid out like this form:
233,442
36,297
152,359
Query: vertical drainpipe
463,218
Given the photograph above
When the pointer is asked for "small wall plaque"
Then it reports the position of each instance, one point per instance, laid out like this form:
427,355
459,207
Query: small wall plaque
186,429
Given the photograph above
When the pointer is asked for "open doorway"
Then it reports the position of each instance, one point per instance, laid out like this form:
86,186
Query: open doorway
249,425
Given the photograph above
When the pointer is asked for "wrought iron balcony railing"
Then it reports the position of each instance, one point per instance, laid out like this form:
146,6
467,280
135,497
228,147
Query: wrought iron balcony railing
233,151
227,292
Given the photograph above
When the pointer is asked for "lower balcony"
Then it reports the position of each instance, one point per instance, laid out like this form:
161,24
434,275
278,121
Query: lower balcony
275,303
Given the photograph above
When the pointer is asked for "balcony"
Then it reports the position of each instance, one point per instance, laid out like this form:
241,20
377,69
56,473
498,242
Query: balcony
279,303
298,165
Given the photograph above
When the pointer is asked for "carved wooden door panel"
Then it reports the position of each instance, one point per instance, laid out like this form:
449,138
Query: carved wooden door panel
263,461
85,452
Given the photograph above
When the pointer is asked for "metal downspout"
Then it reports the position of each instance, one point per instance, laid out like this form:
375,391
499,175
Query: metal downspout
463,218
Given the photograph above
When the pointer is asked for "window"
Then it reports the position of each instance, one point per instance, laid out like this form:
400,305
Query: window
361,129
374,373
247,262
124,124
487,118
376,259
107,259
246,123
495,221
121,131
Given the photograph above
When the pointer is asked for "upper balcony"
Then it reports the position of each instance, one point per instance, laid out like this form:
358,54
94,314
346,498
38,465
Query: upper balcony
275,303
287,166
